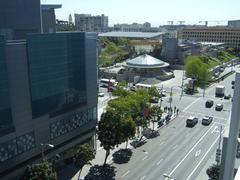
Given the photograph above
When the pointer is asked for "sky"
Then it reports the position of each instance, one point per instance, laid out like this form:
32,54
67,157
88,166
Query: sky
157,12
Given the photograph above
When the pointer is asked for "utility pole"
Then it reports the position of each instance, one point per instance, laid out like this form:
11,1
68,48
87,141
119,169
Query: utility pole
161,96
182,83
170,99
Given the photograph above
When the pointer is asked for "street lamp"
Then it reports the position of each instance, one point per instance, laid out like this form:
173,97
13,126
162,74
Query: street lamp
167,176
42,147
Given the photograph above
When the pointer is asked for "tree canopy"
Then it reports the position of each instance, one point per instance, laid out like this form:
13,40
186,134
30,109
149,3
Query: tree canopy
40,171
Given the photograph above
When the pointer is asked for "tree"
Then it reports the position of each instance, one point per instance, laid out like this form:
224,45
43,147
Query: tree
109,131
141,122
155,114
128,128
153,92
213,172
85,153
204,75
40,171
192,67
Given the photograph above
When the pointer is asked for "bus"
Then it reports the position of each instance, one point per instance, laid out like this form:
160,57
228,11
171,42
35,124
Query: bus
139,86
107,82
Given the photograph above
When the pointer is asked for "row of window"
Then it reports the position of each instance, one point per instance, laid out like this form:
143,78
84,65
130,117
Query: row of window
17,146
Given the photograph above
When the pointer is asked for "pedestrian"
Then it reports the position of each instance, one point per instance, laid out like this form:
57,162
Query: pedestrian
177,111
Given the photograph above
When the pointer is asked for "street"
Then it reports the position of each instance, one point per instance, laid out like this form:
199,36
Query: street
179,151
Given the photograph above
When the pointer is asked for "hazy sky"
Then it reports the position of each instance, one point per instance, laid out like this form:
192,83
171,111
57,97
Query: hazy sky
157,12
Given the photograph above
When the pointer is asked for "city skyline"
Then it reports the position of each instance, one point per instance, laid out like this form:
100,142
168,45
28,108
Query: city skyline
155,11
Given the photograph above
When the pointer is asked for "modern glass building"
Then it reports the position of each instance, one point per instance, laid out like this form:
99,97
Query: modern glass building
57,72
6,122
48,93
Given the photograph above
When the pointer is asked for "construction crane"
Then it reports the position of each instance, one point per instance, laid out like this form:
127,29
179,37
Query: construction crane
181,22
170,22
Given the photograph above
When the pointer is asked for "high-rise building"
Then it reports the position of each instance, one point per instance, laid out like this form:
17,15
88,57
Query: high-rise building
48,91
88,23
19,17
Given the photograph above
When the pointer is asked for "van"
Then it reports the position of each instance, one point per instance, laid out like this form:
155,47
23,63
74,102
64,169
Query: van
191,121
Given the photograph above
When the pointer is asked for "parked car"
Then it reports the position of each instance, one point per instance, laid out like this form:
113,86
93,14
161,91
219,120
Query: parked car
191,121
227,96
206,120
100,94
219,107
209,103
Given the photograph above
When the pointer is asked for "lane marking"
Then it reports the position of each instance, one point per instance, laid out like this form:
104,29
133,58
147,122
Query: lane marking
143,178
161,143
203,157
191,104
214,130
159,162
191,150
144,158
198,153
174,147
197,113
125,174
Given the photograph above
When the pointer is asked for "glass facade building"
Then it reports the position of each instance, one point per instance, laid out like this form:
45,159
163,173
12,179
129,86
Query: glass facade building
57,72
5,108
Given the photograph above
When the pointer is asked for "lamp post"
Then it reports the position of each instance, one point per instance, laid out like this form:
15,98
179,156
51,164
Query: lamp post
42,147
168,177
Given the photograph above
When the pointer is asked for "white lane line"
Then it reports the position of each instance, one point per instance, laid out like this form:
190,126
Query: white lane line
143,178
203,158
144,158
191,104
159,162
125,174
174,147
214,129
202,114
191,150
161,143
198,153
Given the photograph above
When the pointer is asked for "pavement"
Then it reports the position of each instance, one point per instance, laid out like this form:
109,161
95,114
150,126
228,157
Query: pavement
183,153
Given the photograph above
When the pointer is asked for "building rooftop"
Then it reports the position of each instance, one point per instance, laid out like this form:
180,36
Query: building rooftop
141,35
146,61
50,6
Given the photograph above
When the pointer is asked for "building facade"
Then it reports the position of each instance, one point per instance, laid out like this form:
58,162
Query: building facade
229,36
134,27
234,24
89,23
19,17
48,91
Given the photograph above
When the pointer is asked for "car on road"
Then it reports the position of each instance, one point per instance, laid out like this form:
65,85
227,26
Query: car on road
100,94
219,107
209,103
206,120
227,96
191,121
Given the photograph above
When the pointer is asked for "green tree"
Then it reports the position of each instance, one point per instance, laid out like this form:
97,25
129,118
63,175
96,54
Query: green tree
128,128
192,67
204,75
153,92
155,114
141,122
109,131
85,153
213,172
40,171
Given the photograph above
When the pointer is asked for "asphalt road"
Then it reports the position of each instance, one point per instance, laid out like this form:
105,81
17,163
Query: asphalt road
180,151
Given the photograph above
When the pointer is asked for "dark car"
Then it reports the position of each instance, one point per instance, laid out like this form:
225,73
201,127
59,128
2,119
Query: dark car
206,120
227,96
219,107
209,103
191,121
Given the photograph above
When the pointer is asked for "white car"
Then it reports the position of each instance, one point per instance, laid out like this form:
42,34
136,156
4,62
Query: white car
100,94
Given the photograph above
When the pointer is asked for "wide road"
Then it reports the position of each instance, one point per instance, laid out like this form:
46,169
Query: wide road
180,151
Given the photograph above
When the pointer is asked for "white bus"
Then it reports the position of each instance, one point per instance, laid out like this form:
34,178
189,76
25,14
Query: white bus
139,86
105,82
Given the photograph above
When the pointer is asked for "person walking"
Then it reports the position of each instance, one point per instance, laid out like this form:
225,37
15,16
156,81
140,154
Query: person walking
177,111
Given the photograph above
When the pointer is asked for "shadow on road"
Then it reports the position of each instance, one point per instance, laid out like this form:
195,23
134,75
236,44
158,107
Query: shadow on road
104,172
122,156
